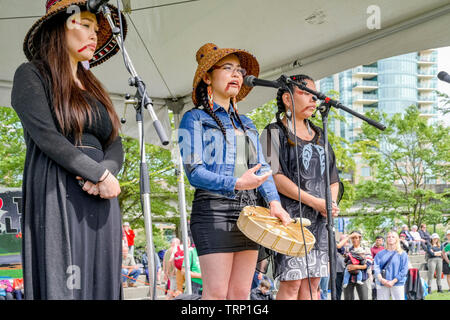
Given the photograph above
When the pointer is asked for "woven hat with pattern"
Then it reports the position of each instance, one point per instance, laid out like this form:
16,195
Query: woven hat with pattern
107,46
209,54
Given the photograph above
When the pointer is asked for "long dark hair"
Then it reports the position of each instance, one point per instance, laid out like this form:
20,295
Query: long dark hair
282,107
69,104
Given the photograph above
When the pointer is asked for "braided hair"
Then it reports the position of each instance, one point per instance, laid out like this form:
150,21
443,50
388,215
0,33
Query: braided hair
203,103
282,107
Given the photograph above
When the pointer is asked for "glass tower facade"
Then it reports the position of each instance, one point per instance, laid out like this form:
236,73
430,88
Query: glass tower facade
389,86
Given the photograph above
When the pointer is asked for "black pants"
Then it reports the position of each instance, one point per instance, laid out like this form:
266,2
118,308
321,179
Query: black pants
339,280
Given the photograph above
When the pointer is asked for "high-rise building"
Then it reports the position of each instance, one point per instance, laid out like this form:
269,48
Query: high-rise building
388,85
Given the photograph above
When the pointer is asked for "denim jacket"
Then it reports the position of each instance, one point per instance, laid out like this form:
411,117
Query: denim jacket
209,160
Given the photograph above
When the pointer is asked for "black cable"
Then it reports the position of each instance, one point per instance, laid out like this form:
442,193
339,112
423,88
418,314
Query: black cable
151,57
299,186
127,66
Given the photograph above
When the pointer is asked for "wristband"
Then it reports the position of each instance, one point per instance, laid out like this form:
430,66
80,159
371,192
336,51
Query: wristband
104,177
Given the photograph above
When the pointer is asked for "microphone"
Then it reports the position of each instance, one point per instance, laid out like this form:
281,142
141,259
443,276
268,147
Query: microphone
444,76
252,81
95,5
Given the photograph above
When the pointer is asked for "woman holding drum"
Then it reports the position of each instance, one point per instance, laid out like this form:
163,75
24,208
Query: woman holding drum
223,160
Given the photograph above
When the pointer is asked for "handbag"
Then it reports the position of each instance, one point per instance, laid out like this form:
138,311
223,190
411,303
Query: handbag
383,269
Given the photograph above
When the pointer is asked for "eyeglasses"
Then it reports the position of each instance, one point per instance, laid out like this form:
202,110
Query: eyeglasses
228,68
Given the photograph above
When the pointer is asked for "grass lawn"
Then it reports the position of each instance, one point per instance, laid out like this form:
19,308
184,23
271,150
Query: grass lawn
438,296
16,273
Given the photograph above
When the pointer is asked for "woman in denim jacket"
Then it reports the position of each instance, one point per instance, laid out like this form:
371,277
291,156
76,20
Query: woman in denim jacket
223,160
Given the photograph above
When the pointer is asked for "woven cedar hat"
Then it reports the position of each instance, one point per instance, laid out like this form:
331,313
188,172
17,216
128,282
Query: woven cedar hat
209,54
107,46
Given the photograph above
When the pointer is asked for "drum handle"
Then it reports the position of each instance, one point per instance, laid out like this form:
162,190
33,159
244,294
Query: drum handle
305,221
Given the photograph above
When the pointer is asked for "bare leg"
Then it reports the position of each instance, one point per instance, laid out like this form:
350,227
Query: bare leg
244,264
289,290
216,271
304,293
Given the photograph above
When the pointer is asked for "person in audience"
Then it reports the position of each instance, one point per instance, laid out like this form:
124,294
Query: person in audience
391,269
130,270
434,259
417,240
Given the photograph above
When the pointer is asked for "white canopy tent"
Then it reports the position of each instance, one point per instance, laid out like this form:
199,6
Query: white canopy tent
318,38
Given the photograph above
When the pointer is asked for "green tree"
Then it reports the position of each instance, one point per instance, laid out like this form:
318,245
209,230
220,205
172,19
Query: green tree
406,159
12,151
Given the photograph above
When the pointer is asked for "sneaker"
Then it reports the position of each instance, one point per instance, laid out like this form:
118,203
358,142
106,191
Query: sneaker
359,282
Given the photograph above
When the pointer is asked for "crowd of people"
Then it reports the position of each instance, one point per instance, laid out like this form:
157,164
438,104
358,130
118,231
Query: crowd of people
384,268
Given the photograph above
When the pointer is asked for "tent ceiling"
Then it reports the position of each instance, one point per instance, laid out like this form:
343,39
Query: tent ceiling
318,37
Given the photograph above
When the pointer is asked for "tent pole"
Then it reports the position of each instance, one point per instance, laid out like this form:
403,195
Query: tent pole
182,207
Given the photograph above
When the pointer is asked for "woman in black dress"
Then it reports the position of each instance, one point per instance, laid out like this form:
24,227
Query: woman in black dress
71,221
278,143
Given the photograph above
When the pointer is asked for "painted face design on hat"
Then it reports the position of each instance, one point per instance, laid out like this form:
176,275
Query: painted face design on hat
81,36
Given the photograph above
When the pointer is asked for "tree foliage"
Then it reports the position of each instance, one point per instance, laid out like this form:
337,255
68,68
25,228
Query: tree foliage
407,159
12,151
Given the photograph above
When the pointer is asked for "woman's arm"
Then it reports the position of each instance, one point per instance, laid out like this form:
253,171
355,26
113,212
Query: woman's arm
113,156
29,100
190,141
288,188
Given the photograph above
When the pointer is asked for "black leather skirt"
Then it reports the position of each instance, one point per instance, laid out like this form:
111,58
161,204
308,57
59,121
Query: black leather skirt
213,222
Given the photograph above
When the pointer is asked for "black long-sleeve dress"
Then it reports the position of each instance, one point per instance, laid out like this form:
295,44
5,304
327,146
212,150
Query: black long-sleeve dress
71,247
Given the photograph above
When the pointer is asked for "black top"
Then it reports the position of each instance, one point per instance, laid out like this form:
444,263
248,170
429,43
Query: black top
282,158
97,131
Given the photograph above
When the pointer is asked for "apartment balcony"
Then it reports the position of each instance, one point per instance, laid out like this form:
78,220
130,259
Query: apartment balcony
367,98
426,60
426,86
365,71
426,74
428,112
427,98
366,85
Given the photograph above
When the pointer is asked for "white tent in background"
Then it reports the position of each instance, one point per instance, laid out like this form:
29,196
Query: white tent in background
318,38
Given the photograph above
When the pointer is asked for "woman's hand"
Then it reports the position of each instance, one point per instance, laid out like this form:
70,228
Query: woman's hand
89,187
351,267
249,180
109,187
276,210
320,205
387,283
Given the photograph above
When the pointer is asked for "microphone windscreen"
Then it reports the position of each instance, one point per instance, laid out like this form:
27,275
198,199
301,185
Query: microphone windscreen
248,81
442,75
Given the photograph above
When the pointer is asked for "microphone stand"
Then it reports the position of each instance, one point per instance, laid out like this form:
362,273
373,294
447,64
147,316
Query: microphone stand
142,100
324,109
